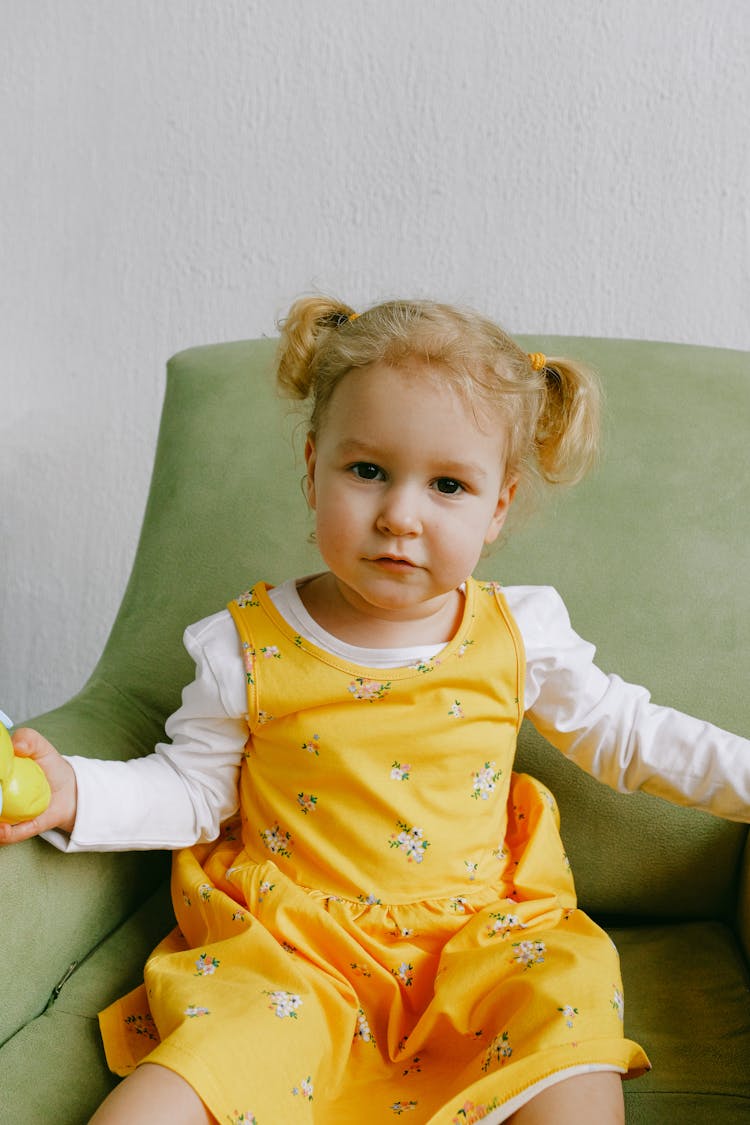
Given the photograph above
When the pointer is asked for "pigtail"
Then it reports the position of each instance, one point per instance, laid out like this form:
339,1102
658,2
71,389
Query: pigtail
567,433
309,321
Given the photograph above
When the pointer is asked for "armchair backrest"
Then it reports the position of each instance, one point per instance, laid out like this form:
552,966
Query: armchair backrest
651,555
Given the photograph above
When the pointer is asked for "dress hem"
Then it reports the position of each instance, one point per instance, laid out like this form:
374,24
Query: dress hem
508,1108
535,1074
476,1104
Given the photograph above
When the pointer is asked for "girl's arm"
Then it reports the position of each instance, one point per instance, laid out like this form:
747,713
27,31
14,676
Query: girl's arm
612,729
180,794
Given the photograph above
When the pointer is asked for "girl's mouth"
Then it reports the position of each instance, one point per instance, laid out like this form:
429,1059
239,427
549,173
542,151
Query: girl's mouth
389,562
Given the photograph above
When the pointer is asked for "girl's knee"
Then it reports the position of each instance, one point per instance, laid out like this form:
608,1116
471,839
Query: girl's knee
585,1099
155,1095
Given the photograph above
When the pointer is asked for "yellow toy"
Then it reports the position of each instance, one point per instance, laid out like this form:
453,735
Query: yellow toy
24,789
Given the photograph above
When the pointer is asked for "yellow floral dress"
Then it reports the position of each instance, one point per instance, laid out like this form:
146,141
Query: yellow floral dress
389,929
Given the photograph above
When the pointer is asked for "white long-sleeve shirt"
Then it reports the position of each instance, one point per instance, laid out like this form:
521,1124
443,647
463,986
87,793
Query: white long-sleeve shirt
180,794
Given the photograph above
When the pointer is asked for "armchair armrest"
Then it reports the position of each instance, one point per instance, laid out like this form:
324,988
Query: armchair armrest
57,908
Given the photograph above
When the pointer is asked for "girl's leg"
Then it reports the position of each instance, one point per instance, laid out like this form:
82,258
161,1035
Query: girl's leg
595,1099
153,1095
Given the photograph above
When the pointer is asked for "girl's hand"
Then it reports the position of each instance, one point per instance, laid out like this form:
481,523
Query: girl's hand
61,811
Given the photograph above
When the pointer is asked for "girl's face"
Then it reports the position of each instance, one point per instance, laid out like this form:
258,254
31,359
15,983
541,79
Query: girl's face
407,488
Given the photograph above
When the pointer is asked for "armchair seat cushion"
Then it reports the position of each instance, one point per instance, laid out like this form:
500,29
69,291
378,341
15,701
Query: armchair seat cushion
687,1000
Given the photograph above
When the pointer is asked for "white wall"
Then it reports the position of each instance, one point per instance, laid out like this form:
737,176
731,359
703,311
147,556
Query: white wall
176,172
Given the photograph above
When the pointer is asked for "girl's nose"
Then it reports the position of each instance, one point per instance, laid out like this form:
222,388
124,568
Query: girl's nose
399,514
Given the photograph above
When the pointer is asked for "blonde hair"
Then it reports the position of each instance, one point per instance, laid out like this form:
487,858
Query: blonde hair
551,415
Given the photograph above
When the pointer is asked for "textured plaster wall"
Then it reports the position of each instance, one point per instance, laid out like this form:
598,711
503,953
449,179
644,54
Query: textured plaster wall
177,172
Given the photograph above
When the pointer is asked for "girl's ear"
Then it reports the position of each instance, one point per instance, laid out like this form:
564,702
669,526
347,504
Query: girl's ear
310,461
501,512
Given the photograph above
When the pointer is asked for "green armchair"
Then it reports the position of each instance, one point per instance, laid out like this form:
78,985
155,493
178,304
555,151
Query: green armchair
651,555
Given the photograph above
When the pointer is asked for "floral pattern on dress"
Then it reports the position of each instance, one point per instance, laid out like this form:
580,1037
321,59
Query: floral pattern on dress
304,1089
248,662
363,1032
405,973
456,710
277,840
529,953
265,889
206,966
485,781
370,690
307,802
618,1002
271,651
569,1014
244,1118
283,1004
312,745
403,1107
470,1113
503,924
498,1051
194,1010
142,1025
410,841
247,598
400,772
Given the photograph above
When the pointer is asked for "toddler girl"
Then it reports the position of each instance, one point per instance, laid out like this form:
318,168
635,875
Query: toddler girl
388,927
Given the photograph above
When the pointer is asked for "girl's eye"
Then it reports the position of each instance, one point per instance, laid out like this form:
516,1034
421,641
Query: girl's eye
448,486
366,471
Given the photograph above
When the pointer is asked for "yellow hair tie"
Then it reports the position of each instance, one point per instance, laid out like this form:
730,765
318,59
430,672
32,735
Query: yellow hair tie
353,316
538,360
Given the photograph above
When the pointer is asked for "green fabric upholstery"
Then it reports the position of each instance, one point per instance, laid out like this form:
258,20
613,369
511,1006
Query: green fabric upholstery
650,555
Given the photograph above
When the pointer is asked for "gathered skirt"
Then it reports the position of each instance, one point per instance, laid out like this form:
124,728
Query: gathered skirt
281,1003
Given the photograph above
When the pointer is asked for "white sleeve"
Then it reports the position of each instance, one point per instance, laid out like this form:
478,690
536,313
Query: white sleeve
180,794
612,729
